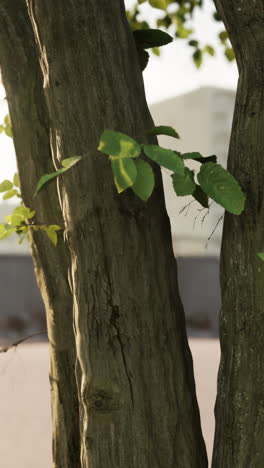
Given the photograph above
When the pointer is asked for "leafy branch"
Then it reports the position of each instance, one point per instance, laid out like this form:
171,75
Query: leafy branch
130,170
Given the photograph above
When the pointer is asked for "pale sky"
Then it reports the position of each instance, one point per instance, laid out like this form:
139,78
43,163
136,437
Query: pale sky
169,75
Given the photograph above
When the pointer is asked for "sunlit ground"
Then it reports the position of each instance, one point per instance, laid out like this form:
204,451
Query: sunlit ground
25,440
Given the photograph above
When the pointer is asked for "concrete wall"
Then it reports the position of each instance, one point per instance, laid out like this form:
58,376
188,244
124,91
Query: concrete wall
22,309
199,286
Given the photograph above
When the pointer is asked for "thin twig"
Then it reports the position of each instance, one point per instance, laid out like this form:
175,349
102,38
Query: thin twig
18,342
200,210
213,231
186,207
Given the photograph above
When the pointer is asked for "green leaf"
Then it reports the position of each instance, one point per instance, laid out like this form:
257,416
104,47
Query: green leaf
143,57
194,155
222,187
193,43
19,216
6,185
164,130
10,194
7,127
230,54
24,212
55,227
183,32
7,120
198,58
22,238
184,184
160,4
119,145
16,180
199,158
52,236
209,50
261,256
47,178
223,36
208,159
165,158
156,51
6,232
149,38
125,173
69,162
200,196
8,131
216,16
145,181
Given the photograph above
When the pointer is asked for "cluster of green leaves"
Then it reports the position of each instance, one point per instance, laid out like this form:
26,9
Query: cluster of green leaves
228,50
132,170
177,18
6,127
21,220
10,188
199,52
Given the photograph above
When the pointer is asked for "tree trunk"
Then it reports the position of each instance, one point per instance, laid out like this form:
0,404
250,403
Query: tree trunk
239,440
135,378
24,87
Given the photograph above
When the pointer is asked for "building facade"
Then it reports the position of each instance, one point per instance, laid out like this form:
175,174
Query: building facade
22,309
203,119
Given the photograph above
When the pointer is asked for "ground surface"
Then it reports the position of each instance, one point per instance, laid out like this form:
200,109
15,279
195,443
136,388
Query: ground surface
25,432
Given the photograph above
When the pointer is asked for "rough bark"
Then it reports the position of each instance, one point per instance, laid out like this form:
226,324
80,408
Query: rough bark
135,378
239,440
24,87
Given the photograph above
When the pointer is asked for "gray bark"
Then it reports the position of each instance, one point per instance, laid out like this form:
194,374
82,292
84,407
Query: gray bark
24,87
135,378
239,439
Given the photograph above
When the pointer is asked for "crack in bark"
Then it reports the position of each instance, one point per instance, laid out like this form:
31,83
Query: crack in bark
115,312
113,321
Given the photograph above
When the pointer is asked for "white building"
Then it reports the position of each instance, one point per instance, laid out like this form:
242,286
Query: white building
203,119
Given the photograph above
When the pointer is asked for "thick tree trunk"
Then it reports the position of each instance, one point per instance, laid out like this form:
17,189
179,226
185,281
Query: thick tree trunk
137,395
24,87
239,440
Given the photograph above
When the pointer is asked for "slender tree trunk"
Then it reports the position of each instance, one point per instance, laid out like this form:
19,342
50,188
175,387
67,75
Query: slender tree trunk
24,87
135,379
239,440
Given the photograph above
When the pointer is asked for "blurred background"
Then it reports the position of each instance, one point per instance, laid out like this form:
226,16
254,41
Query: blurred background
199,104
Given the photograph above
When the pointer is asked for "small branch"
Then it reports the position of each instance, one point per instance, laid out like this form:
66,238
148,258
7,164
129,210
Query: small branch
18,342
213,231
186,207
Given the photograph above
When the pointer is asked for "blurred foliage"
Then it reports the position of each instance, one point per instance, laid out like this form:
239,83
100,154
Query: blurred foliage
21,220
178,20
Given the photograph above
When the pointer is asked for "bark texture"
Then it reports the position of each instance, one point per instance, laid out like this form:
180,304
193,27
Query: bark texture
239,440
24,87
135,378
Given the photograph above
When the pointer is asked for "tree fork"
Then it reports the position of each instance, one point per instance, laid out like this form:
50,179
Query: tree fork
135,377
239,439
23,82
